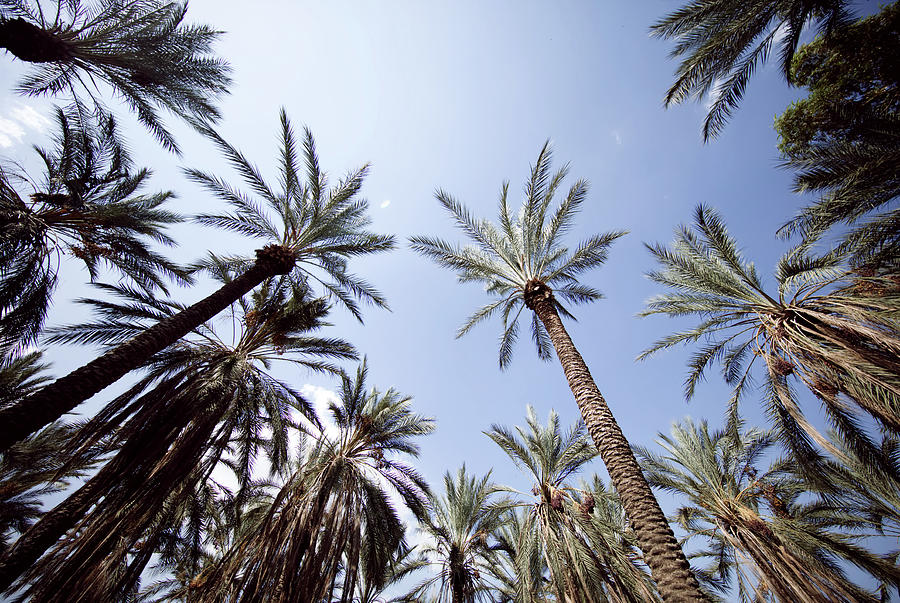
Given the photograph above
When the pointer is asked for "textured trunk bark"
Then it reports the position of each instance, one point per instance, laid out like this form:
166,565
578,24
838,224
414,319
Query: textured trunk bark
668,565
53,401
29,42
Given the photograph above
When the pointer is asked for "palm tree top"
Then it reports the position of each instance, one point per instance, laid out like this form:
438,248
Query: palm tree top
545,452
318,227
143,49
523,255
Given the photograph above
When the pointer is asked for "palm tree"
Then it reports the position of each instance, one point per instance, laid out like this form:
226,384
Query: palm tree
724,41
822,329
204,401
457,530
87,206
589,558
334,507
317,231
790,553
143,50
524,264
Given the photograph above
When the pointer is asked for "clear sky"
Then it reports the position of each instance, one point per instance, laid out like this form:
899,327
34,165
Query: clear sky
461,95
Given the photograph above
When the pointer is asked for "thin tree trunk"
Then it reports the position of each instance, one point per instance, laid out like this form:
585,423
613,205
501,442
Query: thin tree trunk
668,565
53,401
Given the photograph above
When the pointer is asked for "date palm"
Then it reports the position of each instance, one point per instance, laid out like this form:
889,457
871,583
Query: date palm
142,49
205,400
458,531
834,333
724,41
523,263
755,525
588,556
310,231
335,506
87,206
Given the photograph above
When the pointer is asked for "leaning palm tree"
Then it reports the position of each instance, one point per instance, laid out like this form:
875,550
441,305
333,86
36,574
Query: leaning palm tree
725,41
525,265
204,401
310,231
826,328
589,559
142,49
457,541
88,206
334,507
790,552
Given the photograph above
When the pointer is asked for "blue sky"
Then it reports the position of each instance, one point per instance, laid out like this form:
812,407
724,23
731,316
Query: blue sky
460,96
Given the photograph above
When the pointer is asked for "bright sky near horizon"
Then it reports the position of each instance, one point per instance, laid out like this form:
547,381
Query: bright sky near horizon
460,95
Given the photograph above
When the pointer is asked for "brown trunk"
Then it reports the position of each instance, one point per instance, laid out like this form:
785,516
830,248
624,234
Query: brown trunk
668,565
29,42
53,401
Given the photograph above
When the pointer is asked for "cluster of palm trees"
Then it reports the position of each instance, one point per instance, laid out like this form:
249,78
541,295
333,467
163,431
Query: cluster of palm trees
162,494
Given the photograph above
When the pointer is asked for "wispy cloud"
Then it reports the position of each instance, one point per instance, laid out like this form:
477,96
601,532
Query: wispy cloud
17,121
617,136
385,203
321,398
31,118
10,130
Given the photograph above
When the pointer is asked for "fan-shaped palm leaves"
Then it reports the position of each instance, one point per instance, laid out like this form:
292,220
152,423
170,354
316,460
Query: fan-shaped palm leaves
203,401
842,343
140,48
334,512
88,206
790,553
724,41
458,530
524,264
589,559
313,232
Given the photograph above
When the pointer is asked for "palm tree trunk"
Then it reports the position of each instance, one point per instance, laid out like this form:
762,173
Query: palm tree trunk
668,565
53,401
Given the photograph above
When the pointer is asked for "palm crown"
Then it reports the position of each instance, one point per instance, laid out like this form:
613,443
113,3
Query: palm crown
747,513
89,206
835,339
523,251
320,228
141,49
335,506
588,554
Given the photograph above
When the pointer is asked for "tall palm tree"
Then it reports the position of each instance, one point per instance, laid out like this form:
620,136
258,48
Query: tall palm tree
310,237
790,552
725,41
204,401
525,265
458,531
87,206
841,342
589,559
142,49
335,507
